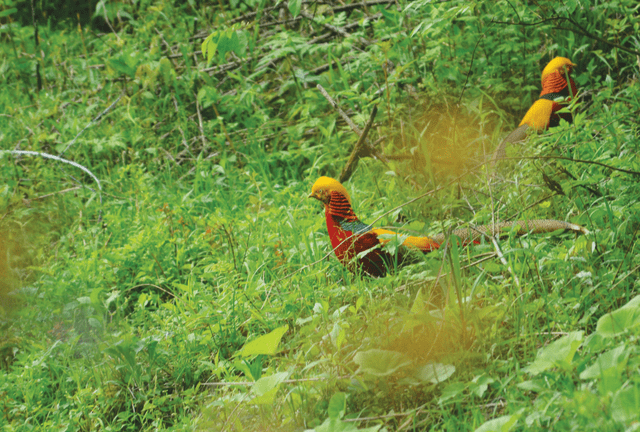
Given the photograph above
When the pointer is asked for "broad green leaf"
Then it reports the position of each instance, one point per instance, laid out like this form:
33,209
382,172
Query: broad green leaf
418,304
266,388
121,66
338,335
500,424
392,242
625,405
380,362
434,372
294,7
613,361
480,384
337,406
532,385
7,12
266,344
451,391
332,425
627,318
228,42
558,353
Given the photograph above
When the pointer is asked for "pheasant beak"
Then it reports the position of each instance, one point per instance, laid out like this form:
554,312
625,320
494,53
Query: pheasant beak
320,196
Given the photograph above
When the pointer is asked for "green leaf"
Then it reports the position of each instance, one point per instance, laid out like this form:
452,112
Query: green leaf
531,385
558,353
480,384
614,360
500,424
337,406
266,388
333,425
451,391
122,67
609,367
338,335
392,242
266,344
210,46
418,304
294,7
624,406
434,372
228,42
380,362
7,12
627,318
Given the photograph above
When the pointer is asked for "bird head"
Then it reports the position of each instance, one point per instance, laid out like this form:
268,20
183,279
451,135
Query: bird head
562,65
324,186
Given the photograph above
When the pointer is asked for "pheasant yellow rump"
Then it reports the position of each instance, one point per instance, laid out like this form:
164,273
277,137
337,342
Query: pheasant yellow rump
351,238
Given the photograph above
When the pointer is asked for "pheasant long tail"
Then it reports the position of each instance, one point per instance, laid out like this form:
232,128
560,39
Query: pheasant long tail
501,229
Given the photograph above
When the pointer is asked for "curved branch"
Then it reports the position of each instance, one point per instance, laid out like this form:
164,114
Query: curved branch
581,30
578,161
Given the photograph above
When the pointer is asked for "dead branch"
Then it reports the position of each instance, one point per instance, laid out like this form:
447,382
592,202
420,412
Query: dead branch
368,149
334,29
359,149
578,161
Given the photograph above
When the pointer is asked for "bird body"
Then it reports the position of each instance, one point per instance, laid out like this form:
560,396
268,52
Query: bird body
351,238
544,112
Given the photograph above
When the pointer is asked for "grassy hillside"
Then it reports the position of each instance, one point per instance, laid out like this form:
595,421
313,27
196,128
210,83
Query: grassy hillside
179,277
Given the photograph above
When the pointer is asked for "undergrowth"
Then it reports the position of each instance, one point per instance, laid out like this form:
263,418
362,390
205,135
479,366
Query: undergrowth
197,290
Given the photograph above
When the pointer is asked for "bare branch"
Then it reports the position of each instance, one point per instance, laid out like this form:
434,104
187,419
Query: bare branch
359,149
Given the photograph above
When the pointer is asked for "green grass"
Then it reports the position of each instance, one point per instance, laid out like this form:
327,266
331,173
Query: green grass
196,293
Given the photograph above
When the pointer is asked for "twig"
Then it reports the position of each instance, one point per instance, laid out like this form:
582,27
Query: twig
37,42
344,116
578,161
54,193
530,206
56,158
345,28
106,18
325,67
473,55
334,29
352,163
95,120
580,30
252,15
153,286
620,281
504,262
592,36
353,126
250,383
59,159
229,66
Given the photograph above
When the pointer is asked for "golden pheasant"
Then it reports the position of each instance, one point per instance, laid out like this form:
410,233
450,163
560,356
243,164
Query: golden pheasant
544,112
351,238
